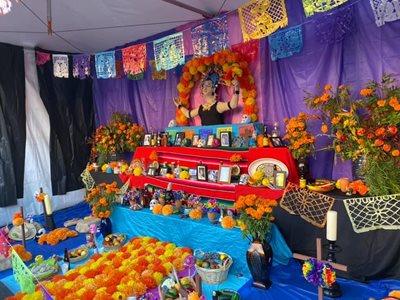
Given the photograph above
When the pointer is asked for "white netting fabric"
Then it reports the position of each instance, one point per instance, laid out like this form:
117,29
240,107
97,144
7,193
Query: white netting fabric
372,213
260,18
310,206
385,11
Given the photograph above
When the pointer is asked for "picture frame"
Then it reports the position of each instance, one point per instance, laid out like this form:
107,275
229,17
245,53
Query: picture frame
202,173
147,139
195,140
243,179
152,171
213,175
163,171
279,179
277,142
210,140
224,174
179,138
225,137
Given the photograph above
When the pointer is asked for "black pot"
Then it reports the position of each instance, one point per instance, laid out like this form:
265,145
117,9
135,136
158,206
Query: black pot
259,261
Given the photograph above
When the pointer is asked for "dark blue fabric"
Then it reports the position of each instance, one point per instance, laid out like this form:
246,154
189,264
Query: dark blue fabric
80,210
288,283
364,54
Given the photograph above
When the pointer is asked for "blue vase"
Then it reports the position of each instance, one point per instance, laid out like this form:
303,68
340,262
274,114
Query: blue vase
105,227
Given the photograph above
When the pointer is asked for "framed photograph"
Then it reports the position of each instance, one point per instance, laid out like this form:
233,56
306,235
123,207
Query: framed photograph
202,172
225,139
277,141
179,138
243,179
147,139
280,179
224,174
151,171
210,140
195,140
212,175
163,171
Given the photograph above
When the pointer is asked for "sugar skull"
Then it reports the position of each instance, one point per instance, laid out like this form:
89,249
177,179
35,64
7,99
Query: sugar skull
153,202
245,119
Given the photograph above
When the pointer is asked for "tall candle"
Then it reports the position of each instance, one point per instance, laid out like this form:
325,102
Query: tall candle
47,204
331,226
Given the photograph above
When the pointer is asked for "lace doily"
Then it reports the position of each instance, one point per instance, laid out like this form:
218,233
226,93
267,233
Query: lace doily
248,49
309,205
60,65
157,75
260,18
42,58
81,66
134,59
385,11
210,37
105,64
169,51
333,28
372,213
286,42
87,179
313,6
22,274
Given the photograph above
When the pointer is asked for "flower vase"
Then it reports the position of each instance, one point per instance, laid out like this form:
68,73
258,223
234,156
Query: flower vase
259,261
211,215
358,168
105,227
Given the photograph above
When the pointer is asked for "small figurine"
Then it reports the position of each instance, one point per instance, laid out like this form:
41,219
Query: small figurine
172,123
245,119
153,202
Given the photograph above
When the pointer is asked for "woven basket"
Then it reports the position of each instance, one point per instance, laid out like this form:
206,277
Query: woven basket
214,276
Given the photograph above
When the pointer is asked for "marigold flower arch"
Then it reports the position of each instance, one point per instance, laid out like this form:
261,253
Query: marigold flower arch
231,65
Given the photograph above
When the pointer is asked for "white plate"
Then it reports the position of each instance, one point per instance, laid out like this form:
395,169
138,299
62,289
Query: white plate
267,166
16,232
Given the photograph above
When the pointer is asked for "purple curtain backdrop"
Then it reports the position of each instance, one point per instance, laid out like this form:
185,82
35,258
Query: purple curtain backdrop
365,54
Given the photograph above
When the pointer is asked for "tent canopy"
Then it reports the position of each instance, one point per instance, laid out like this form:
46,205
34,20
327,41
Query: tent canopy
92,26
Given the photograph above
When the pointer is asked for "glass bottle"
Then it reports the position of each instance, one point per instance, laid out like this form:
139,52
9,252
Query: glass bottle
275,131
66,265
265,140
158,142
169,194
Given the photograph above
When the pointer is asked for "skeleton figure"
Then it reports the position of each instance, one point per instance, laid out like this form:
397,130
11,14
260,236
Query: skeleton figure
153,202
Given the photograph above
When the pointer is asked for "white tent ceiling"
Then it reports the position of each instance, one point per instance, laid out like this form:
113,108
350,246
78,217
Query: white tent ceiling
89,26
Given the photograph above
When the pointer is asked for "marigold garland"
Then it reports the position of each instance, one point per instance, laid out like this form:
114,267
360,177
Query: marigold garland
57,235
233,66
150,260
17,219
22,252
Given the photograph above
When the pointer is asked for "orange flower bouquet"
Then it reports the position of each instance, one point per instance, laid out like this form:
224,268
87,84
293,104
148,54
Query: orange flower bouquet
255,216
101,199
301,141
119,135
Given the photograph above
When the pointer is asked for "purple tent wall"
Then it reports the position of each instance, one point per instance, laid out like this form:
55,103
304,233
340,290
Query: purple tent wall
366,53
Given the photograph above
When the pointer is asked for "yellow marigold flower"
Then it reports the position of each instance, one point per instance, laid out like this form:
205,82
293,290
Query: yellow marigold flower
157,209
167,210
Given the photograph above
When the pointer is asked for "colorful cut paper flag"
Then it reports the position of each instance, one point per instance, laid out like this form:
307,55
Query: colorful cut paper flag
169,51
286,42
210,37
60,65
385,11
105,64
249,50
22,274
314,6
81,66
134,59
42,58
157,75
260,18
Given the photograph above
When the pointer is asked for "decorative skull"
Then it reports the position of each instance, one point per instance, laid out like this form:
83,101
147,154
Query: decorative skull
153,202
202,143
172,123
245,119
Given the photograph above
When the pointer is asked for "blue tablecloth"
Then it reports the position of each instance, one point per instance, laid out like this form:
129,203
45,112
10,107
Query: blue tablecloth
201,234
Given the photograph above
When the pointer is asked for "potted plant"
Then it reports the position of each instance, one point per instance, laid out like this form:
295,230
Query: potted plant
101,198
211,207
255,222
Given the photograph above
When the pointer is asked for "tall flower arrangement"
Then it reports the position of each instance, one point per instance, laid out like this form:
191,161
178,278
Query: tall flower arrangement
101,199
255,216
119,135
366,127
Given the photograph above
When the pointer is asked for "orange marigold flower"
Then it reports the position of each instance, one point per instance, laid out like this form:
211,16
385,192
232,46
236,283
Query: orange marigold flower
327,87
335,120
361,131
380,131
393,102
228,222
378,143
381,103
395,153
386,147
392,129
324,128
366,92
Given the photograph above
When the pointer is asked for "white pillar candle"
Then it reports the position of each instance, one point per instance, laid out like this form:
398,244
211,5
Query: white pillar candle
331,226
47,203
